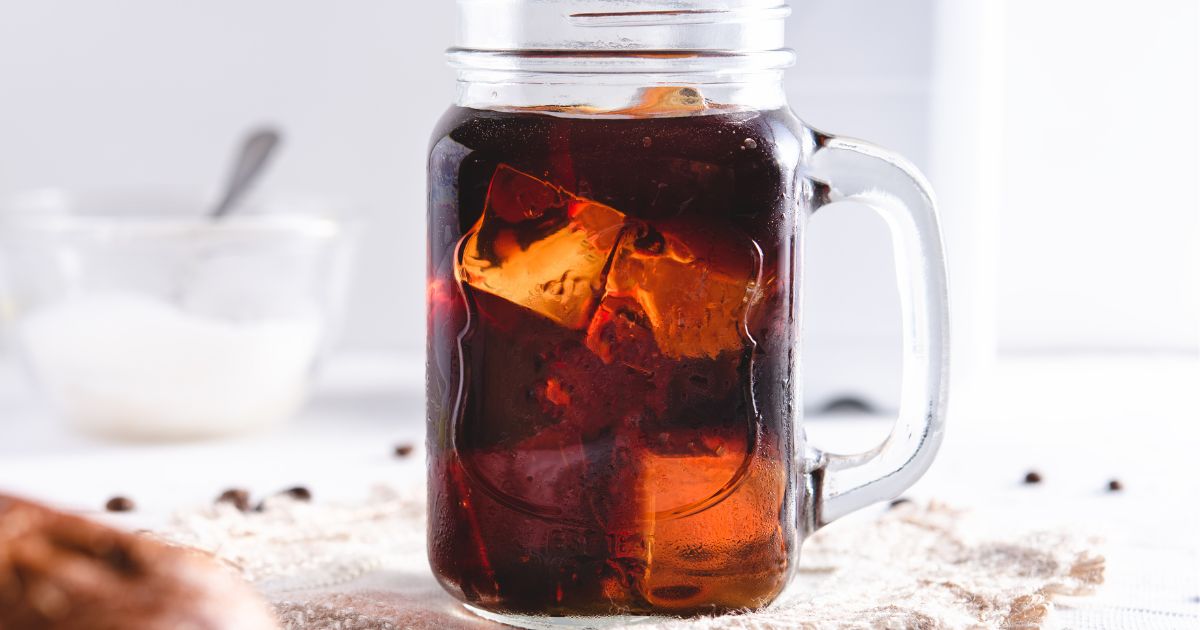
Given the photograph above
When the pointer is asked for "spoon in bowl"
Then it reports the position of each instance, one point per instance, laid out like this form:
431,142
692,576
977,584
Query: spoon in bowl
255,151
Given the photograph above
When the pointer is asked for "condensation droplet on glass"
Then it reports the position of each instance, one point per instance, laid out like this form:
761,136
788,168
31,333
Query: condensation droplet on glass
749,143
646,142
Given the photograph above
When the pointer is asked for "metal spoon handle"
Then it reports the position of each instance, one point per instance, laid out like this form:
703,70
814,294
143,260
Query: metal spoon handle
256,150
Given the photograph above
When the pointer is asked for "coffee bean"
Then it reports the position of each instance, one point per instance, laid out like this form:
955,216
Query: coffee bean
299,493
403,450
899,502
1033,477
1115,485
120,504
848,405
237,497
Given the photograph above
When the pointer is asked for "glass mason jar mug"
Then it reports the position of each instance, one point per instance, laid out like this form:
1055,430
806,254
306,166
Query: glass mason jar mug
617,202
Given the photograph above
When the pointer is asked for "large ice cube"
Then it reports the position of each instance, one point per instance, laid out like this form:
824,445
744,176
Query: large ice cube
541,247
692,281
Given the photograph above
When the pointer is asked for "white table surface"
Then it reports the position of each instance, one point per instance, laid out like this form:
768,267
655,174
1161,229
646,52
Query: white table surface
1078,421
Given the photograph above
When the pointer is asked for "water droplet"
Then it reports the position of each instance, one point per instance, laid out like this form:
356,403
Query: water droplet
749,143
646,142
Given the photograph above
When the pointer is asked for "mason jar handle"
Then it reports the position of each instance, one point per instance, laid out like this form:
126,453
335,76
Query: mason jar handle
850,170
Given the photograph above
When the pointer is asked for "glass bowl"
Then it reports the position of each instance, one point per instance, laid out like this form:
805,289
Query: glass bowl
140,317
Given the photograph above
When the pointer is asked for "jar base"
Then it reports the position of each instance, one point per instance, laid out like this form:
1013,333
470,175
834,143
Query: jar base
545,622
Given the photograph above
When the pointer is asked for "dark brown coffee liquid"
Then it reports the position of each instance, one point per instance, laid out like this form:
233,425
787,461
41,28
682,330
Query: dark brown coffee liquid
611,328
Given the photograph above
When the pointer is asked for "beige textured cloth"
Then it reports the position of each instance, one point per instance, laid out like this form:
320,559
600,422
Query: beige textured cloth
362,567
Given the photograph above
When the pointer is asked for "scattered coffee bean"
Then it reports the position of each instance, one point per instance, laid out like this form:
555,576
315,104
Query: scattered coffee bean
1033,477
120,504
1115,485
899,502
403,450
237,497
299,493
848,405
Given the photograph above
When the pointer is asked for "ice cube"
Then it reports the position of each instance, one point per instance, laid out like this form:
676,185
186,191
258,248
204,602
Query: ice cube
692,281
666,100
541,247
621,333
732,551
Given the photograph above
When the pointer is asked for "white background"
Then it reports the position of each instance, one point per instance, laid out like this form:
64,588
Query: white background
1098,235
1082,236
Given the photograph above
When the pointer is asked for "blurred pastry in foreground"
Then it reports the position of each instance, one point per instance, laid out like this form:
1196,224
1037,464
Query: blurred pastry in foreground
63,572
